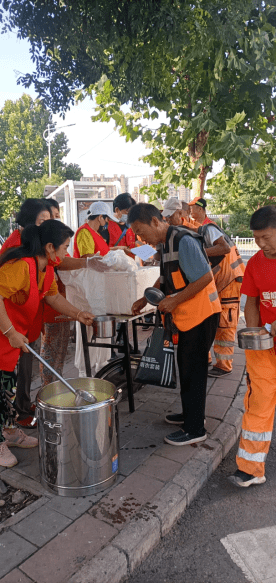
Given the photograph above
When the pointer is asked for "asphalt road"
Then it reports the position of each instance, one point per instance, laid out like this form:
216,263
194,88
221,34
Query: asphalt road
192,552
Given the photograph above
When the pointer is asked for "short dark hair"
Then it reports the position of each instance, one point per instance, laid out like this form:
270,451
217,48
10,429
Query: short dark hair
144,213
263,218
93,217
51,202
123,201
30,210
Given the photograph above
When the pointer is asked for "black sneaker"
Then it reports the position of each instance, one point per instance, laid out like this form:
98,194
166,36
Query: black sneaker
182,438
243,480
218,372
175,419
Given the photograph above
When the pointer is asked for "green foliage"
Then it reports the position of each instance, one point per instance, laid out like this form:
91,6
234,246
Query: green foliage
24,152
238,225
209,66
233,190
72,172
35,188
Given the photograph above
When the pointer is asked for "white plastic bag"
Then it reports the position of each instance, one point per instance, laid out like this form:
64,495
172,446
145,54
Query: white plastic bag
119,261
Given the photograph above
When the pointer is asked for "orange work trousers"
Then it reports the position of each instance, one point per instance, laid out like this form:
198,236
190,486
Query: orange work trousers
225,335
259,402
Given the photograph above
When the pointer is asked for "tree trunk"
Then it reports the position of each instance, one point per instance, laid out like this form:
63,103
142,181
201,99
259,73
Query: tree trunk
195,152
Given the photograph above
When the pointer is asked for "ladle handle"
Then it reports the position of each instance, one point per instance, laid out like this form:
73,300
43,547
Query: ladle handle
59,377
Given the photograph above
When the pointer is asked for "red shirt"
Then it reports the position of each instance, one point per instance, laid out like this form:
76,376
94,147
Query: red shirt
14,240
115,233
207,221
260,281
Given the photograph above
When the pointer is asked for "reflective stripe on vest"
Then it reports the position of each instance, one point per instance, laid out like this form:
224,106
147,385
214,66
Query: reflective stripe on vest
255,436
251,457
224,343
205,303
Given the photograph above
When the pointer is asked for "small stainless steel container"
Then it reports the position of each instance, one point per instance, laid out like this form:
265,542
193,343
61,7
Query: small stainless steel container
254,341
104,326
78,446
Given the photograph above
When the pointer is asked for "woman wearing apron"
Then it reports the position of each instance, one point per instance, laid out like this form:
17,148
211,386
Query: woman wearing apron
25,280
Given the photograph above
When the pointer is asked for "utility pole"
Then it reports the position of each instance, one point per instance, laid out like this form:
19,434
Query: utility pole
48,136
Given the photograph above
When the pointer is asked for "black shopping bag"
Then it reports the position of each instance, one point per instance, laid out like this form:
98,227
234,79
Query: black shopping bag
157,365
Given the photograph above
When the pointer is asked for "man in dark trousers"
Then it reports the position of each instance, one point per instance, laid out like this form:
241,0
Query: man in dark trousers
192,300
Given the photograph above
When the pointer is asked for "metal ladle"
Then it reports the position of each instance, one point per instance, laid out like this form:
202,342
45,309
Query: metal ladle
82,397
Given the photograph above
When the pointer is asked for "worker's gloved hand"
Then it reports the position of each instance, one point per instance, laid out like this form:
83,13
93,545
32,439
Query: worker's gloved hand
96,263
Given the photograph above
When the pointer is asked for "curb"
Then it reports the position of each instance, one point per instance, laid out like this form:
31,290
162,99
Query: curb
116,562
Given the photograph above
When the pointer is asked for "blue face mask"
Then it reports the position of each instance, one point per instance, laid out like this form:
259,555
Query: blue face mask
105,227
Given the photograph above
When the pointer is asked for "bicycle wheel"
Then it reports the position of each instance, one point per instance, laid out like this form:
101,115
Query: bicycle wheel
115,373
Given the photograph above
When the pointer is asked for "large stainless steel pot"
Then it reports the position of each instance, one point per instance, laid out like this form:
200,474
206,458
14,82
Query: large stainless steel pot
78,446
251,339
104,326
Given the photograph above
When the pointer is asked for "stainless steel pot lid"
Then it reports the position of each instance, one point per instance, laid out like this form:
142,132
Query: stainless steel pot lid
154,296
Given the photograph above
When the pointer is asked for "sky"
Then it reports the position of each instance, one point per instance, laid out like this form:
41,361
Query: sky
96,147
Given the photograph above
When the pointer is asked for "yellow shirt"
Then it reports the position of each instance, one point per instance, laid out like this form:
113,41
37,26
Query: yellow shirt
85,242
15,282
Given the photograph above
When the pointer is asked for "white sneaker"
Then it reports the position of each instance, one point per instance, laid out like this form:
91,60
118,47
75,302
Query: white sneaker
17,438
7,459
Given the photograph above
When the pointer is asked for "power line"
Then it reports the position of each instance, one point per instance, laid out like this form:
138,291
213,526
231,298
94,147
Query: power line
95,145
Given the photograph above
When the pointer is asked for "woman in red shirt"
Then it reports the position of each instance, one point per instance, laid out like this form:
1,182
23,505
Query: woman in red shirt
119,234
25,280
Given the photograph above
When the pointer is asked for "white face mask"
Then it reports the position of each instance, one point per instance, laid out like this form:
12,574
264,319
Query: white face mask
123,219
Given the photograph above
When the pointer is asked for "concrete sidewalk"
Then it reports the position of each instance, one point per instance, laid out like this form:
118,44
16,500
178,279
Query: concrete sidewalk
102,538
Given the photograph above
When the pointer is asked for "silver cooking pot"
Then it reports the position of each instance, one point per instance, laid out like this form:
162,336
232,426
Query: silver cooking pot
249,339
104,326
78,446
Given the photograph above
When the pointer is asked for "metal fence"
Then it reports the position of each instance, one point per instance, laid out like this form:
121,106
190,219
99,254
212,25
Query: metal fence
246,245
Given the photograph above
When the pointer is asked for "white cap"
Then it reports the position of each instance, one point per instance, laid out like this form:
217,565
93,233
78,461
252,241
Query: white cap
101,208
171,205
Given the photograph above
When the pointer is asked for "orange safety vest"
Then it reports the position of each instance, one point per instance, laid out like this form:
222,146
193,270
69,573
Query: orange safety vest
204,304
226,268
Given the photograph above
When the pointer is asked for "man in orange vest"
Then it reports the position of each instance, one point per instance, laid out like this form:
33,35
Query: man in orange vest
228,270
259,285
192,300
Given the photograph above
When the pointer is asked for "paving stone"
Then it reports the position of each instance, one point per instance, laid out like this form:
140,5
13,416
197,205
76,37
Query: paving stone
70,507
66,553
28,463
226,435
211,424
192,476
168,505
161,396
217,406
144,417
126,499
155,406
238,403
13,550
138,539
41,526
128,431
236,374
109,565
224,387
210,453
159,467
16,576
130,459
177,454
12,520
18,480
234,417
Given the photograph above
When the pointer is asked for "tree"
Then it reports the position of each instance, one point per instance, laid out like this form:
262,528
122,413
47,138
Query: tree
72,172
210,65
24,152
35,188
